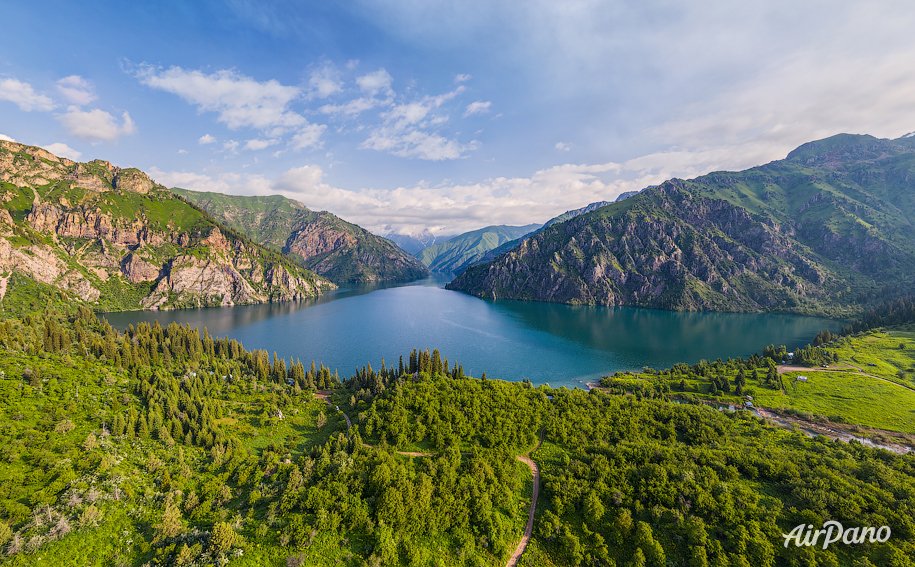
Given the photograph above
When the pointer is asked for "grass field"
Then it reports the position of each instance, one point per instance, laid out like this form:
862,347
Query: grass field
879,354
846,397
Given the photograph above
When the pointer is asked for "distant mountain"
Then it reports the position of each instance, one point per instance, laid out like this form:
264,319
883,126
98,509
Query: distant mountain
463,250
828,230
512,244
115,239
319,241
414,243
627,194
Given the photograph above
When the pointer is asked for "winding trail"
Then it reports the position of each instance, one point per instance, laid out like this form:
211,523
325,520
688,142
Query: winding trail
525,458
522,545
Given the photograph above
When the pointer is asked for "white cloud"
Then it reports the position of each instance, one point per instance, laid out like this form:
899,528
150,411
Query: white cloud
351,108
231,146
228,183
7,138
24,96
462,207
76,89
478,107
325,81
240,101
206,139
258,144
374,83
95,125
352,64
308,137
181,152
405,131
562,147
462,78
63,150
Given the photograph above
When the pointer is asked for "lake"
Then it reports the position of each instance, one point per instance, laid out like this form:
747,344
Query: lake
562,345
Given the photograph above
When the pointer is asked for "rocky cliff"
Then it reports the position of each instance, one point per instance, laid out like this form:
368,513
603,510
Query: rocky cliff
319,241
826,231
114,238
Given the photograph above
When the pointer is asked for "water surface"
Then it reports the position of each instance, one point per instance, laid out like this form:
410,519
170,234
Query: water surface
562,345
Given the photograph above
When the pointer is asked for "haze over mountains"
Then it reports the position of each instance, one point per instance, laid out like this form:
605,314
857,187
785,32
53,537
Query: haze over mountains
824,231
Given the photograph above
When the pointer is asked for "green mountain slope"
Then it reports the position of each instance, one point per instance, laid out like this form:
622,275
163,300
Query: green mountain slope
115,239
825,231
460,251
320,241
512,244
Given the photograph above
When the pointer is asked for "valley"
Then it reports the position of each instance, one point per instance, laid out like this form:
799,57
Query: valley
249,427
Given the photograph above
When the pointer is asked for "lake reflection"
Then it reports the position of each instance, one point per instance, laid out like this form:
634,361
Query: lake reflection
560,344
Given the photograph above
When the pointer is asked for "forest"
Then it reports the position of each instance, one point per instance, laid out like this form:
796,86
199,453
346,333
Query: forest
168,446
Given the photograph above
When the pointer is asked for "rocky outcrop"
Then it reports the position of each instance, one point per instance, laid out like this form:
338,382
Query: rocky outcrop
90,222
319,241
137,270
824,231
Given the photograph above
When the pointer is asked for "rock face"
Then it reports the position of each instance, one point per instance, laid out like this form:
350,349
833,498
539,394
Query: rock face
822,232
320,241
114,237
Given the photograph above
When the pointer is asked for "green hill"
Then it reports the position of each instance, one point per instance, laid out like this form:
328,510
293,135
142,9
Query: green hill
460,251
827,231
170,447
115,239
319,241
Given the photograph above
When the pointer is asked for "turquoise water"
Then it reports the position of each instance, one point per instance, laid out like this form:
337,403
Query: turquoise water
562,345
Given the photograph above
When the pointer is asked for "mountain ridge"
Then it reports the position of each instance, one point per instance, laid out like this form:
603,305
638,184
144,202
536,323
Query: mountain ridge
820,232
114,238
318,240
458,252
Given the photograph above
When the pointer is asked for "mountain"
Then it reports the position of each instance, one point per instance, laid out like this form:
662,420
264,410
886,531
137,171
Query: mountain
512,244
320,241
414,243
826,231
114,238
465,249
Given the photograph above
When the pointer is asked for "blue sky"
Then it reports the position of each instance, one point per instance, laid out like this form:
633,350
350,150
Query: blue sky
449,115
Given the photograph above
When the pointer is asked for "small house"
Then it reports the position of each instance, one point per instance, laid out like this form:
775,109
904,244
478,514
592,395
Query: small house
748,404
801,378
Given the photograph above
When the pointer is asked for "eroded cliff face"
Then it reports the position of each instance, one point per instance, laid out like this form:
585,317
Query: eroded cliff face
350,252
320,241
91,229
827,231
676,251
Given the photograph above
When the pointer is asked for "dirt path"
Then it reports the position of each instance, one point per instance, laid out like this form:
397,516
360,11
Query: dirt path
522,545
323,395
782,369
526,459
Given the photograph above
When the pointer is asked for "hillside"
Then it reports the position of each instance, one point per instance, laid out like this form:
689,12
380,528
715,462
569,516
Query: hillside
826,231
512,244
319,241
460,251
167,446
115,239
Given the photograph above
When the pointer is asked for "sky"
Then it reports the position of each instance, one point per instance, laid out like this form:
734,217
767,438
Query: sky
452,116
